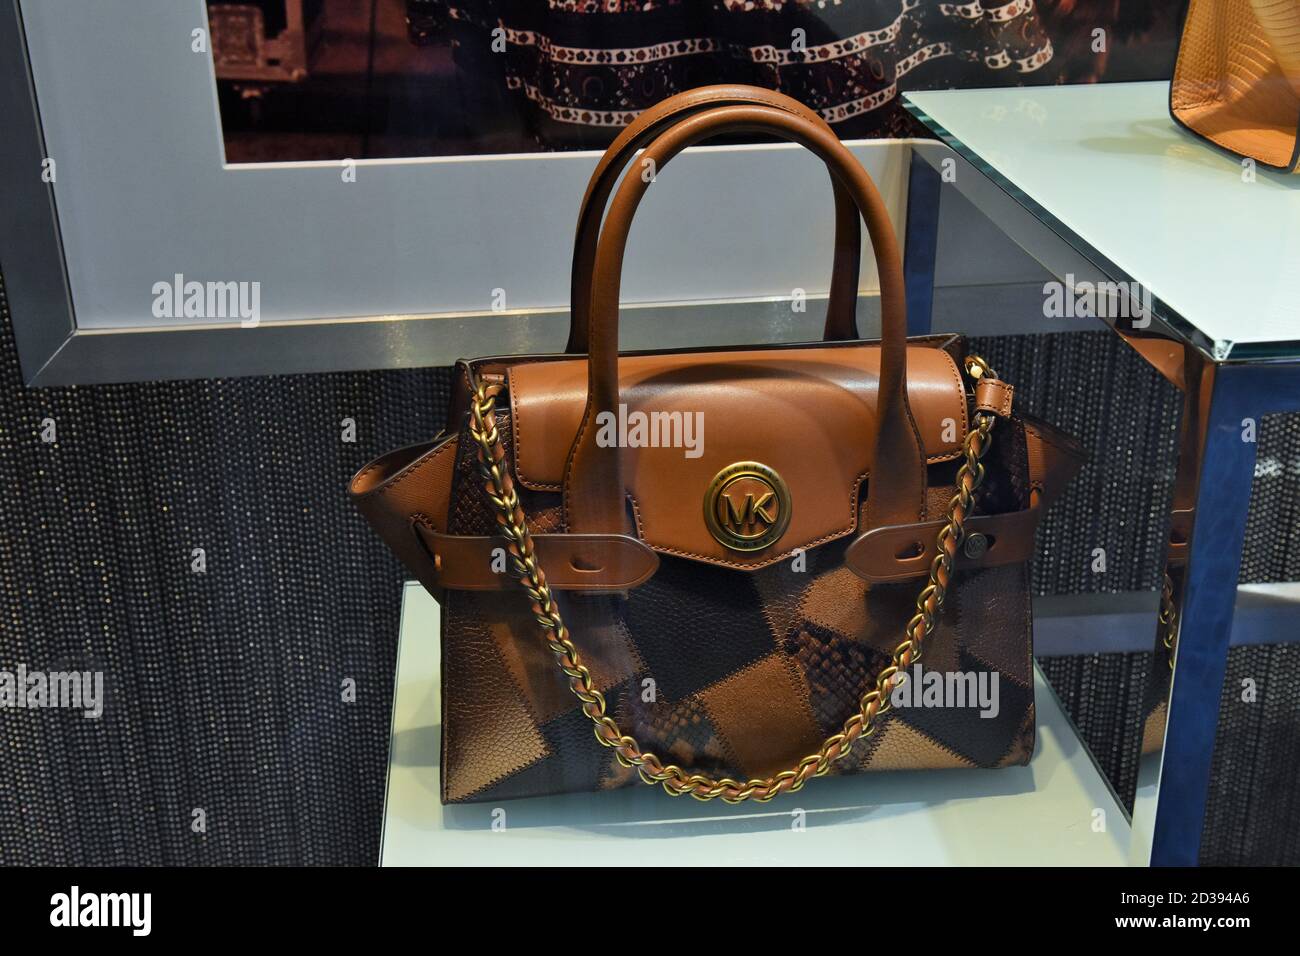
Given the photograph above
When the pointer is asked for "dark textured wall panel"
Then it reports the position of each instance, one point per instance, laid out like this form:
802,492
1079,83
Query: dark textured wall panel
1272,551
1255,785
225,689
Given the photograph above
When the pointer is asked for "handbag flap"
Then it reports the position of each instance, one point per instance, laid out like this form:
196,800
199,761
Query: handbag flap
807,416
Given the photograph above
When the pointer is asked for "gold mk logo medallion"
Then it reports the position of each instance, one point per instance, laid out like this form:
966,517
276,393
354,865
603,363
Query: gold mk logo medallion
747,506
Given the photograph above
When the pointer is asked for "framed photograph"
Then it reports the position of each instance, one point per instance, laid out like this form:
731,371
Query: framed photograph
272,186
154,243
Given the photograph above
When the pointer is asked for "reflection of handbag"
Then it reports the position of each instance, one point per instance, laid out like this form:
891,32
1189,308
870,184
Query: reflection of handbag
1237,79
737,616
1193,381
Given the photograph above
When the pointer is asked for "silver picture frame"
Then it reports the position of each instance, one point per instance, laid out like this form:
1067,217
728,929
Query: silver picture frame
116,189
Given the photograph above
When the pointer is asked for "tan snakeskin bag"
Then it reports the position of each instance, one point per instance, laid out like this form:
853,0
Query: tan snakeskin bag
1237,79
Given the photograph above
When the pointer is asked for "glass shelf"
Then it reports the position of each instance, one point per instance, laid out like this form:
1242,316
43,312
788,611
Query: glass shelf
1105,167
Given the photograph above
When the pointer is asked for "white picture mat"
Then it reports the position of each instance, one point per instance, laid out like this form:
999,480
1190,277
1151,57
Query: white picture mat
143,193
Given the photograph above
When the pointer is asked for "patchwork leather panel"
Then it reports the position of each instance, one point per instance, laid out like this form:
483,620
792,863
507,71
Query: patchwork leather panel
900,747
732,672
582,761
694,625
763,716
680,732
837,668
488,732
610,656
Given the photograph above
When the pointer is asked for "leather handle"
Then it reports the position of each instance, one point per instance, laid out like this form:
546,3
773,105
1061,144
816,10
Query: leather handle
594,496
841,307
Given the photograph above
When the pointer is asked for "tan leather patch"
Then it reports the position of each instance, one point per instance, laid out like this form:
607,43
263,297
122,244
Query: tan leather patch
841,602
762,714
779,593
902,748
837,601
808,414
1153,731
488,732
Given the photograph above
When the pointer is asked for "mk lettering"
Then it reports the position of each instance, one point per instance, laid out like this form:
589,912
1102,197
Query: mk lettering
751,511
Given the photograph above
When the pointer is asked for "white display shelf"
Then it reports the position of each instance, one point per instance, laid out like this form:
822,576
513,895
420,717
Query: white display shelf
1047,813
1216,243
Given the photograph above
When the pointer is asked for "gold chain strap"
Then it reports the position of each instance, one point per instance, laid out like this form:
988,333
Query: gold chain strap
1169,618
512,525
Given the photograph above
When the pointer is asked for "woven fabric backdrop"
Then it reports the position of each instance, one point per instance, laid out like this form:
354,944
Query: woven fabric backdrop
225,689
228,690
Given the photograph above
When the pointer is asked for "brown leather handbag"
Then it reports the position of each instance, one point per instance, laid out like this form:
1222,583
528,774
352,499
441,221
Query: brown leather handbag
1237,78
739,615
